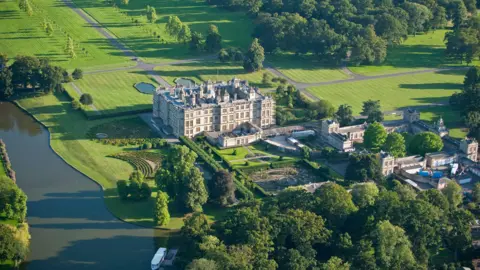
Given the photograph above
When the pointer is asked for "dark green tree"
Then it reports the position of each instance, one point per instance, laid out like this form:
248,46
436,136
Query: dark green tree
334,203
425,142
222,188
77,74
197,43
344,115
122,189
375,137
86,99
254,57
362,167
395,145
213,41
373,111
6,86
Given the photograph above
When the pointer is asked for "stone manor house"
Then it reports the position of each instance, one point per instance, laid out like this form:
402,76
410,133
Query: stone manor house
233,111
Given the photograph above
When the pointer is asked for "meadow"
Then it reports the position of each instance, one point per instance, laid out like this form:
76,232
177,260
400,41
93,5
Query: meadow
113,92
400,92
24,35
425,50
215,71
305,69
235,27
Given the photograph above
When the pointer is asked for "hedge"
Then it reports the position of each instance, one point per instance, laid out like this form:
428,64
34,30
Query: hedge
241,190
283,163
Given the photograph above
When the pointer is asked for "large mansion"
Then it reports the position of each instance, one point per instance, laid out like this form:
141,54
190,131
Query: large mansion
212,107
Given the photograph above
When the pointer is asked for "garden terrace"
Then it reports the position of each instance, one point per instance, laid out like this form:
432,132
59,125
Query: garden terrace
146,161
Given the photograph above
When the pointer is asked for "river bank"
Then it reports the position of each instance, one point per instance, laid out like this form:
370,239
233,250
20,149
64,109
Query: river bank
70,225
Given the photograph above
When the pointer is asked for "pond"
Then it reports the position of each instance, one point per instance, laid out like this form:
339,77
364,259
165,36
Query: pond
185,82
146,88
70,226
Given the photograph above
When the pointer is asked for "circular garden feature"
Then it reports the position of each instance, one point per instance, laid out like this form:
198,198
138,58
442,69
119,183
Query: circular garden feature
146,88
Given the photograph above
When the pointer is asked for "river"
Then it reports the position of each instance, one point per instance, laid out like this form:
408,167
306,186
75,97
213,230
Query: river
70,225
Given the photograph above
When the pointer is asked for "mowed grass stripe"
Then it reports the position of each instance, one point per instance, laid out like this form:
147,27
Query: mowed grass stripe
235,27
305,69
114,92
22,34
394,92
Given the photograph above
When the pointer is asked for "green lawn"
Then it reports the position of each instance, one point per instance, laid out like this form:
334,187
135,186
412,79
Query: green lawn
417,52
241,152
21,34
68,130
203,71
235,27
305,69
395,92
402,92
113,92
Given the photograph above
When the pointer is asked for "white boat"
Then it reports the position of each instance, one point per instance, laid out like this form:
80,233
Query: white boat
158,258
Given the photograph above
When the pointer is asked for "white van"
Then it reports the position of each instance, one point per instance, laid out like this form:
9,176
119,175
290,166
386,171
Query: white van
158,258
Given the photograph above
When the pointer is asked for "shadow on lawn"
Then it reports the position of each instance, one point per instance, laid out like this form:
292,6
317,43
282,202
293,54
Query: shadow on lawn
432,86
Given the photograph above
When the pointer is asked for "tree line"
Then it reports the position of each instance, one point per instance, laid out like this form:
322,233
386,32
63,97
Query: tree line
332,28
386,227
468,101
29,74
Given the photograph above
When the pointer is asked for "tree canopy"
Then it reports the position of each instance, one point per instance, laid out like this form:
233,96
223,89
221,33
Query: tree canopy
425,142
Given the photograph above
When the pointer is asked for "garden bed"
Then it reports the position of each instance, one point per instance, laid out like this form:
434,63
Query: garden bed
275,180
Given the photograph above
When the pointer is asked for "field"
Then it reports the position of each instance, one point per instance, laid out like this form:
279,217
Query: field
234,27
417,52
21,34
203,71
393,93
113,92
305,69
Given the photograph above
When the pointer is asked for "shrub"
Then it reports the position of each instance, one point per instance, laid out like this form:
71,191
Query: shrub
247,163
77,74
145,191
234,153
147,145
122,189
76,105
86,99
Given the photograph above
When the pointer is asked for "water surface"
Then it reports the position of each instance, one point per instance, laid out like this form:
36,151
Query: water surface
69,223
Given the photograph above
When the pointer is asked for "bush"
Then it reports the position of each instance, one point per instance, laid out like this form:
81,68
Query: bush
147,146
247,163
77,74
234,153
76,105
145,191
122,189
86,99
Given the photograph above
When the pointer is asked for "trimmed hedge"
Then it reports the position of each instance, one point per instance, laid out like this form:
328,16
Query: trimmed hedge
241,190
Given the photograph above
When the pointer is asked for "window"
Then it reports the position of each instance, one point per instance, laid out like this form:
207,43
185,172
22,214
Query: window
205,112
236,115
198,121
230,117
241,115
224,118
237,108
231,109
224,127
205,120
247,114
224,110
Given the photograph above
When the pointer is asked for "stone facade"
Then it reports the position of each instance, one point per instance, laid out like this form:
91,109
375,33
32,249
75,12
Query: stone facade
212,107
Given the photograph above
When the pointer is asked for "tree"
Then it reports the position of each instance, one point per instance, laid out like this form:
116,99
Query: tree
122,189
254,57
462,44
151,14
460,235
7,242
392,247
323,107
391,29
25,71
196,42
344,115
436,198
125,2
458,12
364,194
173,26
136,176
202,264
195,194
419,15
375,136
368,48
51,77
395,145
70,48
77,74
364,258
185,34
425,142
335,263
6,85
334,203
3,61
454,193
362,167
49,29
439,17
476,192
213,41
86,99
471,82
13,201
266,78
373,111
161,215
222,188
22,243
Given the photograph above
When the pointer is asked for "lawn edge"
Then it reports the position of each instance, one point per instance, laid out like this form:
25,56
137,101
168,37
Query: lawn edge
16,103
